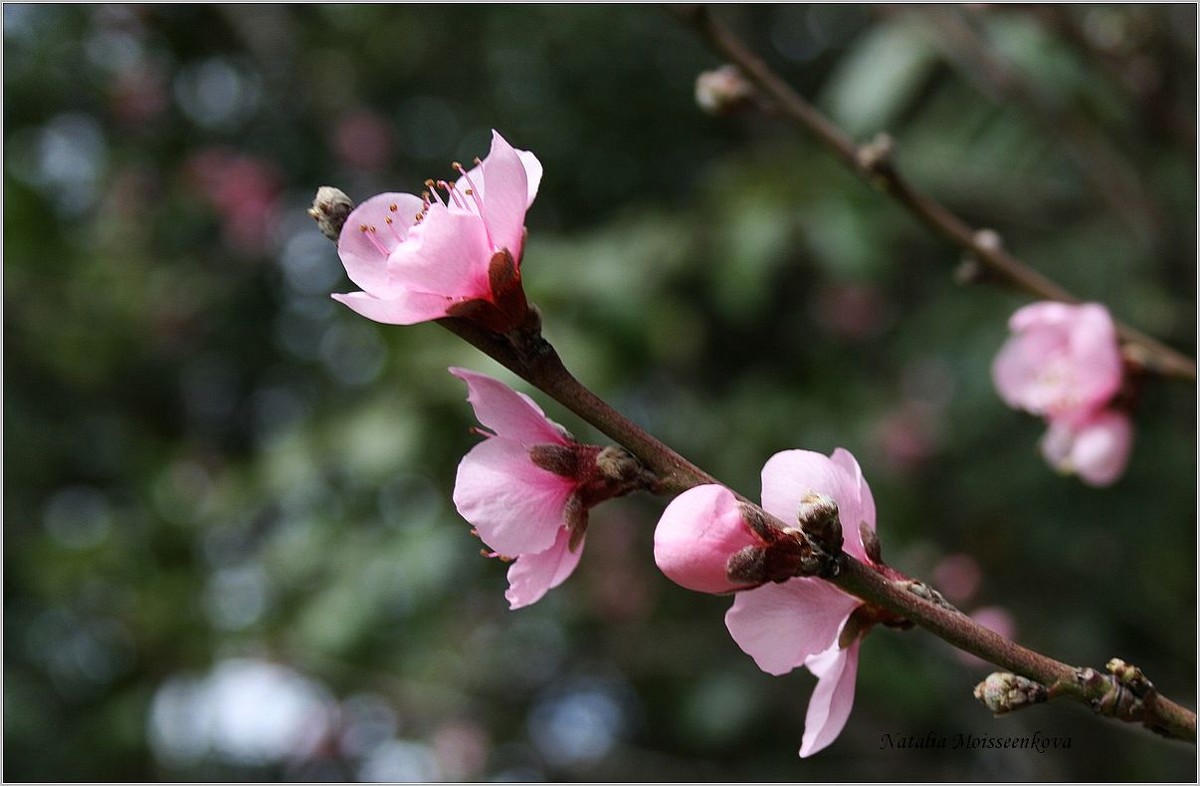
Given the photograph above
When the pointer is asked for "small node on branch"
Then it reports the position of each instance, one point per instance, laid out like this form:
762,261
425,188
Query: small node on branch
329,209
988,240
723,90
1002,692
876,154
1130,676
923,590
972,270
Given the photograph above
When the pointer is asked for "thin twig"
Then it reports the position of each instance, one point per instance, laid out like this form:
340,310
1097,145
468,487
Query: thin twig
1139,348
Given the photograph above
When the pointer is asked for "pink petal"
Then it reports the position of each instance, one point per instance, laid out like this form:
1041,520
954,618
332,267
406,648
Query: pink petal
790,475
1056,445
506,194
533,174
1096,352
447,253
533,575
697,534
780,625
866,501
1031,371
1097,450
832,699
364,254
516,507
407,308
508,413
1048,313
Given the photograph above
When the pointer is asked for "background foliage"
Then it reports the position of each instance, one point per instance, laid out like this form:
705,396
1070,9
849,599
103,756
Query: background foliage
229,546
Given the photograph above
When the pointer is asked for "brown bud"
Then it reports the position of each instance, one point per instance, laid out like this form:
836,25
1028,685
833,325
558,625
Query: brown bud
576,518
758,524
618,465
818,518
330,208
870,541
559,459
748,566
1002,692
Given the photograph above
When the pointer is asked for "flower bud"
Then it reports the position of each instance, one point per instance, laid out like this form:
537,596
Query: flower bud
617,465
697,537
870,541
818,517
1002,692
560,459
722,90
330,208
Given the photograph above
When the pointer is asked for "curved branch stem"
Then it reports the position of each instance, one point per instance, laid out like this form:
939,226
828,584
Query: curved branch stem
878,170
535,360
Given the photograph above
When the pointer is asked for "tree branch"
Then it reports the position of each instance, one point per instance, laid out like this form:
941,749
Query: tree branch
535,360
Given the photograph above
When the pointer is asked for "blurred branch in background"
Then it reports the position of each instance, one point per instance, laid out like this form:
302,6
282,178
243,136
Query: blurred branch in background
1124,49
873,163
1113,179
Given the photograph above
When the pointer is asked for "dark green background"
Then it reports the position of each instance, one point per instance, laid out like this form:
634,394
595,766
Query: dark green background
211,467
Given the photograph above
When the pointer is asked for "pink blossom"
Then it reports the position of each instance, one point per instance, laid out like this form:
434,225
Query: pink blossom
455,251
528,487
517,508
1095,448
1062,361
801,621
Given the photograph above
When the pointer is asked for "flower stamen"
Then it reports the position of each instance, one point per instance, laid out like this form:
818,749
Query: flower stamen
473,192
369,231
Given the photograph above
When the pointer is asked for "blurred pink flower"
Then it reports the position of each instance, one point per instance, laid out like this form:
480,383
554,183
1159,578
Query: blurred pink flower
996,619
1064,363
801,621
362,139
1096,448
243,189
958,576
419,258
1062,360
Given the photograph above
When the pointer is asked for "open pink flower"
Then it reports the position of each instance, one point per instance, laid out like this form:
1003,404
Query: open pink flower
1062,360
517,508
1096,448
800,621
454,251
528,487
